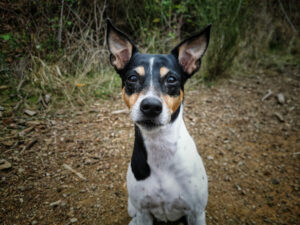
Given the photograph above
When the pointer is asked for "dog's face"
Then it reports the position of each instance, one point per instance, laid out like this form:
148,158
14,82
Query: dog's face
153,85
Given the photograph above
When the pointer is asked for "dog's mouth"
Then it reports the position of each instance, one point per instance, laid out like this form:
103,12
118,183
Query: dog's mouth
148,124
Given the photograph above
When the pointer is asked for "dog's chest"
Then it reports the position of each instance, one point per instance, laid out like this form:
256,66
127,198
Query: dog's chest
166,193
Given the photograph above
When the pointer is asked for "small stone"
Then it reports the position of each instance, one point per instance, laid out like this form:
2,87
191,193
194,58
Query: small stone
238,187
279,116
280,98
4,165
87,162
21,170
210,157
29,112
21,188
34,222
73,220
275,181
2,108
47,98
63,204
227,178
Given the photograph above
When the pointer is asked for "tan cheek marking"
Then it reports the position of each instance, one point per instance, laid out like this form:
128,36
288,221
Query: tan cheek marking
140,70
129,100
163,71
173,102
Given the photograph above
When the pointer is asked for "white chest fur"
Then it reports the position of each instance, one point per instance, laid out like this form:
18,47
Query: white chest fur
177,185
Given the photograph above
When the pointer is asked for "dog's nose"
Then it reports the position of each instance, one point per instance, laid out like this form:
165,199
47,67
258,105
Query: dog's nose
151,107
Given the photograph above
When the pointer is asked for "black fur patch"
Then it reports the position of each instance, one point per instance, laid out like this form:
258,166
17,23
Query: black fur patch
139,164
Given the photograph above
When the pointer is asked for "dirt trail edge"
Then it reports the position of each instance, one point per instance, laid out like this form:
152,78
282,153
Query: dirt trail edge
71,168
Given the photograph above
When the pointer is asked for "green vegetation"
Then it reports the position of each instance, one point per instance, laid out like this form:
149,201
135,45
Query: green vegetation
59,47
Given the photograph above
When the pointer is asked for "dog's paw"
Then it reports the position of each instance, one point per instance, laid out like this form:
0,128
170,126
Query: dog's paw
133,221
141,220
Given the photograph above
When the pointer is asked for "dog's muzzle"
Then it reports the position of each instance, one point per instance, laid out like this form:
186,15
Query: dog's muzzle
150,108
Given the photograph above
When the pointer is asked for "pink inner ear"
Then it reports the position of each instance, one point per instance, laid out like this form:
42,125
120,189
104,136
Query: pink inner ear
188,61
190,52
121,49
122,57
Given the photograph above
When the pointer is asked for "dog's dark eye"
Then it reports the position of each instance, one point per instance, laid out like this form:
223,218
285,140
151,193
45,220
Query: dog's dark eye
171,79
132,78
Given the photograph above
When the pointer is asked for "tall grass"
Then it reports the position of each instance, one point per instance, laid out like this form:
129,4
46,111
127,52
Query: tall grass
64,51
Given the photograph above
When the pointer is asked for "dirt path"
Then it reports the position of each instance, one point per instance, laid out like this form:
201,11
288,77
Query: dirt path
251,157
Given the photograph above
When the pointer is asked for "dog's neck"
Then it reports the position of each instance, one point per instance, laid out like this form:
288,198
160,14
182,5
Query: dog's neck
162,143
170,130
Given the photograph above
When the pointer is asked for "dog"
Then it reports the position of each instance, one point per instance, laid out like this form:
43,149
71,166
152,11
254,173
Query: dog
166,178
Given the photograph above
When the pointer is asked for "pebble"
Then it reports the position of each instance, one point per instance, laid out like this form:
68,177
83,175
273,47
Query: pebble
21,170
21,188
29,112
73,220
279,116
227,178
63,204
47,98
210,157
280,98
275,181
34,222
2,108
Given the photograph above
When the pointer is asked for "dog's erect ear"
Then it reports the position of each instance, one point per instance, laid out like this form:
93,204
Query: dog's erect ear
190,51
120,46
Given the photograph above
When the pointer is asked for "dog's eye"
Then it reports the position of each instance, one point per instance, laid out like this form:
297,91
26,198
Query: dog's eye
171,79
132,78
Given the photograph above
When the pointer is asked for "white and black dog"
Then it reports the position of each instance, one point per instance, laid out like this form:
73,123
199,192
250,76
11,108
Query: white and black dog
166,178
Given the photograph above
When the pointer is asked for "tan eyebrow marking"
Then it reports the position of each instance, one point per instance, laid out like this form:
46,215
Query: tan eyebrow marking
140,70
163,71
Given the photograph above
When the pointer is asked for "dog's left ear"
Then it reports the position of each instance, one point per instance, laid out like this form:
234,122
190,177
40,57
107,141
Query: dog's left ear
120,47
190,51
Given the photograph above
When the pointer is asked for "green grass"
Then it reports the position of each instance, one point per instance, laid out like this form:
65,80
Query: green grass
246,36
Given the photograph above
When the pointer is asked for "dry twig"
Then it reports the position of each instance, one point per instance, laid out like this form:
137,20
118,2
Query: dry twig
74,171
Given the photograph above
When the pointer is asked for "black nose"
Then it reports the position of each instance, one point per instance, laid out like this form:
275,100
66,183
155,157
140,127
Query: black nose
151,107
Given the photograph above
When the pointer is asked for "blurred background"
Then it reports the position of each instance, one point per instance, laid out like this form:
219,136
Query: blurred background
58,47
65,134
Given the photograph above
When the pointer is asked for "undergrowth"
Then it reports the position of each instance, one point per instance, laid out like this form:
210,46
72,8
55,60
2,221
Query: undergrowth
58,48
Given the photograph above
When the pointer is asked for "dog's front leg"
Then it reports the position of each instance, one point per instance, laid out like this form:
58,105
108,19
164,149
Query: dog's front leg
196,218
142,218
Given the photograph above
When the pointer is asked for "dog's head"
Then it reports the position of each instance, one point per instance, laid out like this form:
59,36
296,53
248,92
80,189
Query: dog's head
153,85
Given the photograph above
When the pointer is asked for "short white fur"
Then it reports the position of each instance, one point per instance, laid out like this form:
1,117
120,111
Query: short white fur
177,185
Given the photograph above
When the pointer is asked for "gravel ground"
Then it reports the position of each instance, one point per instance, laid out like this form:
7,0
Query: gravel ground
70,168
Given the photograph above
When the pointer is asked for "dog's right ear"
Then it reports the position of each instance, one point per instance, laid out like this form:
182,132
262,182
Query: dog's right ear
120,47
